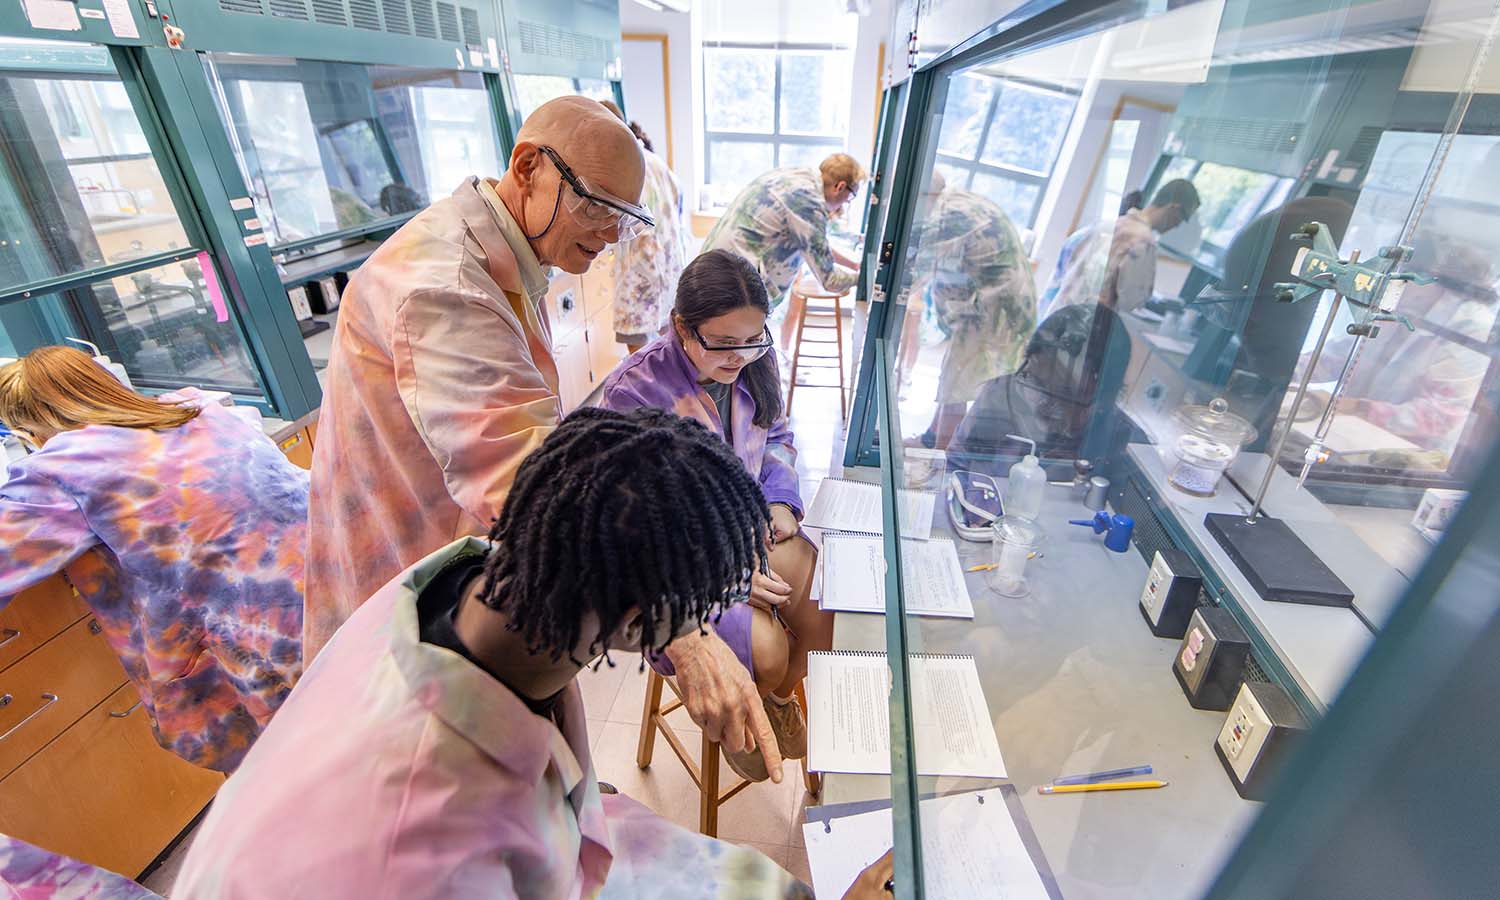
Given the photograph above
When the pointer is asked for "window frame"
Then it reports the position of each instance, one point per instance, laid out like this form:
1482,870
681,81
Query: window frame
975,165
775,137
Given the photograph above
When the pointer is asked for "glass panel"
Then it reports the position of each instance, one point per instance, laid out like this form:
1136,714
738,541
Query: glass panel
731,165
1015,196
806,154
740,89
331,146
1271,145
1028,128
163,324
595,89
815,89
534,90
79,188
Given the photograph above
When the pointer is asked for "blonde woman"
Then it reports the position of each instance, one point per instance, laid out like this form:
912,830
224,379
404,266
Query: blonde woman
181,525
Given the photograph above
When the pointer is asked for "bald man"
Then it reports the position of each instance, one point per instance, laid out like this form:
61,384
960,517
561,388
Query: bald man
441,377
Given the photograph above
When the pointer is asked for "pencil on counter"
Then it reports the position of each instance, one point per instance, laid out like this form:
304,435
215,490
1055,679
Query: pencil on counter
1101,786
986,567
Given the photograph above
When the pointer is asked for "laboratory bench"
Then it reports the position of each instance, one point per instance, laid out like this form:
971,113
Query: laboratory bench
1075,682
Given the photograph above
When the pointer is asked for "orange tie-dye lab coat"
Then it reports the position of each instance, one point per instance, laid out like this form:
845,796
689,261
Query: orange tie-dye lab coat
440,381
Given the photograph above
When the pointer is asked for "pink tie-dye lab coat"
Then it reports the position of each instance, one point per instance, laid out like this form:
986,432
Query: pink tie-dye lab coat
440,381
399,769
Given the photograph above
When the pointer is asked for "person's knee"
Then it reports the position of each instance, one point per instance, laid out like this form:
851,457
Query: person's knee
769,650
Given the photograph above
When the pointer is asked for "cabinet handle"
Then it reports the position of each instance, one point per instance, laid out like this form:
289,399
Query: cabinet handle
7,635
121,715
50,698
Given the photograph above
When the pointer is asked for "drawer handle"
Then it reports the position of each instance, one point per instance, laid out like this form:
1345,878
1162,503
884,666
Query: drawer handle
121,715
50,698
7,635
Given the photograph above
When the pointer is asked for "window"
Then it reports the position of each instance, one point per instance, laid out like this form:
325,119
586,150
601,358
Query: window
769,106
999,139
92,244
534,90
331,147
1231,198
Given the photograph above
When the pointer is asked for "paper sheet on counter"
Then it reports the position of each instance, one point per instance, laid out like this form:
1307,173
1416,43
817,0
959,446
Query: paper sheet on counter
849,720
854,570
970,849
841,505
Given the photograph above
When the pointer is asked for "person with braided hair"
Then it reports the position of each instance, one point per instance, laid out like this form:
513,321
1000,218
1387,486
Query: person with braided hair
715,365
452,755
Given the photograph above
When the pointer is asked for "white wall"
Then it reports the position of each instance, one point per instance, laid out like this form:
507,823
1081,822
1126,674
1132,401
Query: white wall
874,29
635,18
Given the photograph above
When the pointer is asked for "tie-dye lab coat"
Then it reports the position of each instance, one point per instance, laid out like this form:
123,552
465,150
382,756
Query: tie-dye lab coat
661,376
400,769
440,381
31,873
647,268
1114,263
971,264
187,543
779,221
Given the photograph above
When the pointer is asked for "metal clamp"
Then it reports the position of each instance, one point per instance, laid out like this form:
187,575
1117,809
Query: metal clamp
121,715
7,635
50,698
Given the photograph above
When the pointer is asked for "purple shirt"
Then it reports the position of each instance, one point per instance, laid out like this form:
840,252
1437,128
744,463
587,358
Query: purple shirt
661,376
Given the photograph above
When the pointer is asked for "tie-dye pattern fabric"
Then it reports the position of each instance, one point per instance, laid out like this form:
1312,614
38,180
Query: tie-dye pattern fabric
187,543
661,376
431,779
647,268
440,381
31,873
779,221
1114,264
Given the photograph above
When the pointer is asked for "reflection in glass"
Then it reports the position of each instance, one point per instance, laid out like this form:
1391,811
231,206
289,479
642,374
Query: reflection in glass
329,146
79,188
163,324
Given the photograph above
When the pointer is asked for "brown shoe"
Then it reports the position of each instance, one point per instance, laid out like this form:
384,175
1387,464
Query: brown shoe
749,764
790,727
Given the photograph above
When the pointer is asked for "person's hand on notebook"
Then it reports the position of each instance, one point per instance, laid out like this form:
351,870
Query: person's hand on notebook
875,882
720,697
768,591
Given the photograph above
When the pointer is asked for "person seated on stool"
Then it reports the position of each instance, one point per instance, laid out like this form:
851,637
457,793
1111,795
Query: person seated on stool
437,746
180,524
715,365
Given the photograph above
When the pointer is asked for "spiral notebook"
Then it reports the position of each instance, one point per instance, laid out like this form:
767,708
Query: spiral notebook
841,505
854,569
977,844
849,715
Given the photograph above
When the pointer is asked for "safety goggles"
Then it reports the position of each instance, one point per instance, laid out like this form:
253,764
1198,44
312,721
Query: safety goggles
598,208
748,352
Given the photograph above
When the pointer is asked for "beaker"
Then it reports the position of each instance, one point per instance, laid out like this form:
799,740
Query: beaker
1016,540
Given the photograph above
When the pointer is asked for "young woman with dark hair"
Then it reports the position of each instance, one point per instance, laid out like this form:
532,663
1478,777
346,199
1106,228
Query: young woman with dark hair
716,365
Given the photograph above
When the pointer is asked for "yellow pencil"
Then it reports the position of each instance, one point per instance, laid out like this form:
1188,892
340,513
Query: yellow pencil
1101,786
986,567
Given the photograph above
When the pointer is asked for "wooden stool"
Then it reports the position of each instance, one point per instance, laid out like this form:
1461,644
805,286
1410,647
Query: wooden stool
802,318
706,778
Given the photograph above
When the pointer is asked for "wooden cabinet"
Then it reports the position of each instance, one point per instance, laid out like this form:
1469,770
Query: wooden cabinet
81,773
299,448
51,688
104,791
35,617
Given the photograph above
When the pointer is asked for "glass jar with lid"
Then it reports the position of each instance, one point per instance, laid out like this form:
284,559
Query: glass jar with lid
1209,437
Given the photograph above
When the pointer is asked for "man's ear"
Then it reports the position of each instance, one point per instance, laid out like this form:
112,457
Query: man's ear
525,162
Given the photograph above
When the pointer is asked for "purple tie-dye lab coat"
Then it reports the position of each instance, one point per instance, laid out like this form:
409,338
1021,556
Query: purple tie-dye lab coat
661,376
187,543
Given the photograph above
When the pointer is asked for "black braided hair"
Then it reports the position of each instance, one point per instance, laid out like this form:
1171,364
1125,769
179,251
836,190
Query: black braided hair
619,510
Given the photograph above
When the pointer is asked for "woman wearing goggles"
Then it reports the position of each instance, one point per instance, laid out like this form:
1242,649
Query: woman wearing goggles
714,365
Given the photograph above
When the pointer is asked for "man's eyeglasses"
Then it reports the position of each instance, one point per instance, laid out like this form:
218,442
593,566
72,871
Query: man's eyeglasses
598,208
751,352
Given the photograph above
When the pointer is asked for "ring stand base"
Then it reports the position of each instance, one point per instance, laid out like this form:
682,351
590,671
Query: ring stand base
1278,565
